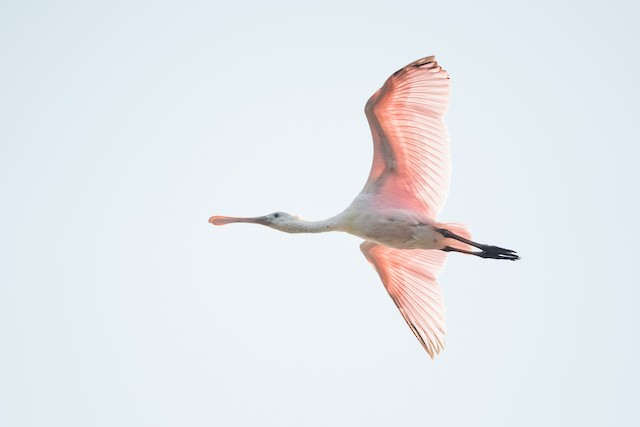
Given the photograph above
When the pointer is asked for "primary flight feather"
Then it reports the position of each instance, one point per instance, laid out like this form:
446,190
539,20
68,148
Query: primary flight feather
396,210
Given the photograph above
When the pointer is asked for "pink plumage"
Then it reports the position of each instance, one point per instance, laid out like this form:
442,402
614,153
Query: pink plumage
396,210
412,160
411,278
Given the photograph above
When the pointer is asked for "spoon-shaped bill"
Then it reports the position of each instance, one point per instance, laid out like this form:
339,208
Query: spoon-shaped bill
222,220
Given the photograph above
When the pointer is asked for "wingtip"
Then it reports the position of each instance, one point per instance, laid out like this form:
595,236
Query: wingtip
424,61
428,63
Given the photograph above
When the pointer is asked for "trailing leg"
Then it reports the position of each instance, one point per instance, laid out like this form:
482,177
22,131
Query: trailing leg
486,251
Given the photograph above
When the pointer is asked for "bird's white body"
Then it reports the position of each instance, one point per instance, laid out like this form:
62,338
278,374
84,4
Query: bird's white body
396,210
395,228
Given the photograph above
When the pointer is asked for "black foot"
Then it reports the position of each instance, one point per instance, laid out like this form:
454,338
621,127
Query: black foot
490,252
495,252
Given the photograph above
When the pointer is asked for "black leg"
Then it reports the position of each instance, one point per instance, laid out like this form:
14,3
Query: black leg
486,251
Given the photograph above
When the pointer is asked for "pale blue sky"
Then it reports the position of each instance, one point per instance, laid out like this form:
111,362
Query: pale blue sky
125,125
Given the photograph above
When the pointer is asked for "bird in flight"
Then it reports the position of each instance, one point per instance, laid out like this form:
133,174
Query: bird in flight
396,211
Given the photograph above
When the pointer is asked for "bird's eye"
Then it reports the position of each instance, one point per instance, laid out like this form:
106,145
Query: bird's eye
276,215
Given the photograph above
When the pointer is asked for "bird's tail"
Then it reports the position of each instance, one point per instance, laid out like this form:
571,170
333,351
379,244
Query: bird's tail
461,230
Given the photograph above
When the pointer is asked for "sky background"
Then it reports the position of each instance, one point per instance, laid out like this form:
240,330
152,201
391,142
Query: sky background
125,125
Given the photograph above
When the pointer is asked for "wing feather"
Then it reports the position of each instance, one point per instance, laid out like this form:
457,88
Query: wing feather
410,277
412,161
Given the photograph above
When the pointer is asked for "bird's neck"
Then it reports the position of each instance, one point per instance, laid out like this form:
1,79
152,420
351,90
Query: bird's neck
299,225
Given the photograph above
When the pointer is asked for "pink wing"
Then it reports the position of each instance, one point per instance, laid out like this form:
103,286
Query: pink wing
411,160
410,277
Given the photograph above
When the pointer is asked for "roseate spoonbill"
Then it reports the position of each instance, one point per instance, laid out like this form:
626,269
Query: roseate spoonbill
396,210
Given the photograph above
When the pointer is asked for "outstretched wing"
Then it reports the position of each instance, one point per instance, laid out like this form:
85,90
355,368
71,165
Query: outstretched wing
412,161
410,277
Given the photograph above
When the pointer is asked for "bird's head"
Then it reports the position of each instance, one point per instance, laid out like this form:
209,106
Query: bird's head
277,220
